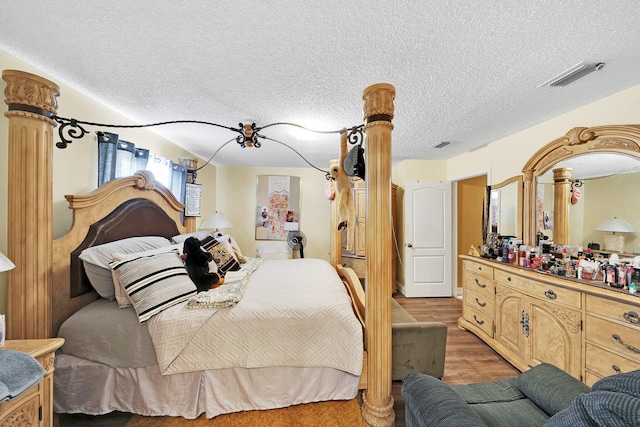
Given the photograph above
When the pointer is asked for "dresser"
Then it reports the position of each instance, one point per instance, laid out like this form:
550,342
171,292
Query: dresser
355,256
588,330
34,407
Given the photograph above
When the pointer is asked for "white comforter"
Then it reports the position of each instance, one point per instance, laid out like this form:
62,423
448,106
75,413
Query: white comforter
292,313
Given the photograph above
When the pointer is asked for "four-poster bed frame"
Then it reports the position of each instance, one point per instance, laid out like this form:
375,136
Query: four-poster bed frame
38,297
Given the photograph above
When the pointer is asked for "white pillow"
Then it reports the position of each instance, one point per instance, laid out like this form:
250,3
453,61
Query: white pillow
154,283
96,260
274,250
200,235
120,292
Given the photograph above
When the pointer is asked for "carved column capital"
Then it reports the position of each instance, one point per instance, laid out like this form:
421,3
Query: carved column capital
30,95
378,102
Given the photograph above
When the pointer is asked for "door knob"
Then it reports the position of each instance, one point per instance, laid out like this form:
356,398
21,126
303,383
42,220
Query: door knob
409,245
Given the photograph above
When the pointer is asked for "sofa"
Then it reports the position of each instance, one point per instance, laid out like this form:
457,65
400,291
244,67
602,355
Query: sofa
542,396
417,347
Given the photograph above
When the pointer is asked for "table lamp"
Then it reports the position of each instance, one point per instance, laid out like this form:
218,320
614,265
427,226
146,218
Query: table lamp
5,263
612,241
216,221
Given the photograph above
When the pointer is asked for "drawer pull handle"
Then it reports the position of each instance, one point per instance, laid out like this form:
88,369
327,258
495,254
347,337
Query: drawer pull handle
550,294
481,304
617,338
509,278
479,268
482,285
616,368
479,322
631,317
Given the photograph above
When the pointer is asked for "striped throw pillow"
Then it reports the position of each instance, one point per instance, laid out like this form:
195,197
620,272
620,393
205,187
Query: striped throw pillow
154,283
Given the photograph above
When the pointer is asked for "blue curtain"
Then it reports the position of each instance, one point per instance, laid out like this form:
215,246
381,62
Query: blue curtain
118,158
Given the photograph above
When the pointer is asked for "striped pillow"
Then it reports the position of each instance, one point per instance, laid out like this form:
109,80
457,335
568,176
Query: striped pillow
221,255
154,283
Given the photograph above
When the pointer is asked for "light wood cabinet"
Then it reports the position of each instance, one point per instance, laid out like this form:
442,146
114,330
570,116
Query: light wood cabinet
537,322
355,257
588,331
479,293
612,338
34,407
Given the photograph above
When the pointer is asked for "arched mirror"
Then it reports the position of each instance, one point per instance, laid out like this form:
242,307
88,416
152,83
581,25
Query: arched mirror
577,184
505,208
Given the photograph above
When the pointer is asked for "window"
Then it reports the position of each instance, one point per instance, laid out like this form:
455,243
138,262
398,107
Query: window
118,158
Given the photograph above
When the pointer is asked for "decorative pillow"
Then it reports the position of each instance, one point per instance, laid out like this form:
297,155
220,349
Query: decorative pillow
222,256
96,260
154,283
120,292
235,248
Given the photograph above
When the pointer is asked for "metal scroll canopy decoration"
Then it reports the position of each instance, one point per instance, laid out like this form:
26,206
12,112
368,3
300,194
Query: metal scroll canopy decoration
248,134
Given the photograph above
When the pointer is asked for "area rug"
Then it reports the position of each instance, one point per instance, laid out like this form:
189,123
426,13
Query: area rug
337,413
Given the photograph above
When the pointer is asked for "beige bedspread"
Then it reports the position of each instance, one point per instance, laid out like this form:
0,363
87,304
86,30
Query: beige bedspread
292,313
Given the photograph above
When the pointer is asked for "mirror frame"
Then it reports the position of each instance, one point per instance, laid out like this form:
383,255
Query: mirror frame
621,139
519,199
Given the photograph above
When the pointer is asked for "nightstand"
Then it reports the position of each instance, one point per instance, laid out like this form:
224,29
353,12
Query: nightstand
34,407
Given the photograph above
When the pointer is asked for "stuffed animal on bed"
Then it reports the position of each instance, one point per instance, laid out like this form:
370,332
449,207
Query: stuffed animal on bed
196,261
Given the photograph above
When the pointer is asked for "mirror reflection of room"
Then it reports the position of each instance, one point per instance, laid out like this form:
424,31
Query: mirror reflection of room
606,187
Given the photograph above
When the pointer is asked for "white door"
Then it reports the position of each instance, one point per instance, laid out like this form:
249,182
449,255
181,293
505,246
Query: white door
427,236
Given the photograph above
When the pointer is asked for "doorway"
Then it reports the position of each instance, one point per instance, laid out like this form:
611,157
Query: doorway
470,194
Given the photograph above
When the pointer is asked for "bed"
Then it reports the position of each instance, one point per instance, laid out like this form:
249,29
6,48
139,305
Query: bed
65,298
222,357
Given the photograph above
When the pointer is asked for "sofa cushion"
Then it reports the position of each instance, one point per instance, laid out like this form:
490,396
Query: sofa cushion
500,403
550,388
515,413
499,391
430,402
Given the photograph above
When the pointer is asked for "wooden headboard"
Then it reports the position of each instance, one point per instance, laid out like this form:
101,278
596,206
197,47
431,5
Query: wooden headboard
127,207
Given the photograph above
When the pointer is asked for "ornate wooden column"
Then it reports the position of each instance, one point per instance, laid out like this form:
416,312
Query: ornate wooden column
32,100
528,209
377,409
561,199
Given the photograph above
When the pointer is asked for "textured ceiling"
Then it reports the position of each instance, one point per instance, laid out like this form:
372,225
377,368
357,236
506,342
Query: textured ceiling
465,72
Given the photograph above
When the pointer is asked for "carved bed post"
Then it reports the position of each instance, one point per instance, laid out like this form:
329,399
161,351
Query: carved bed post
335,249
377,409
32,100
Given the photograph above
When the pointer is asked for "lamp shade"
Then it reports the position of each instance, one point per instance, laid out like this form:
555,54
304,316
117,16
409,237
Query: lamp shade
216,221
5,263
616,225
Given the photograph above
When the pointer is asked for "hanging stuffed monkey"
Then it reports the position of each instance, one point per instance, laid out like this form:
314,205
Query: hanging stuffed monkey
340,180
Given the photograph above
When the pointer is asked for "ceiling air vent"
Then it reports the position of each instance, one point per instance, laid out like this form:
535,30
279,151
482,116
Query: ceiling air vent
442,144
572,74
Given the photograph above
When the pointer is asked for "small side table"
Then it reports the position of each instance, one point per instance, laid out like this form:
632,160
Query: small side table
34,407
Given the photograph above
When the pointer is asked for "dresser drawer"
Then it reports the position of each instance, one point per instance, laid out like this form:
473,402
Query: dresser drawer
481,302
621,339
479,269
540,290
479,284
615,310
604,363
479,319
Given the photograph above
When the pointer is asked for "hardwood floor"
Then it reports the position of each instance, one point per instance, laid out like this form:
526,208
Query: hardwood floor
468,359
